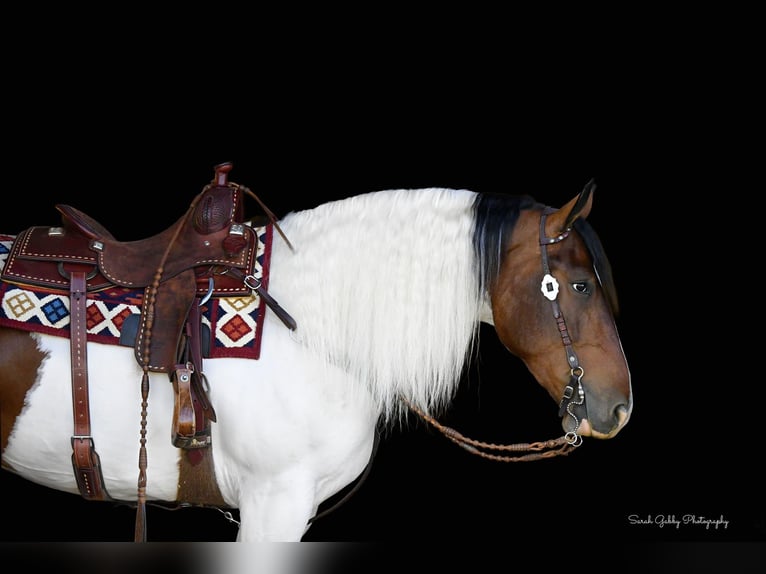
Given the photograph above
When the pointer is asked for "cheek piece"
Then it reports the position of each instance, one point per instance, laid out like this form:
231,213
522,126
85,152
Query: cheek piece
550,289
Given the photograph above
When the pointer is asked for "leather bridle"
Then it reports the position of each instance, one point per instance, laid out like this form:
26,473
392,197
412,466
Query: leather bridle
550,289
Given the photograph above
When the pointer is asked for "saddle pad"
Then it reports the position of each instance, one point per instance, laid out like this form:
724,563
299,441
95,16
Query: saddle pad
236,322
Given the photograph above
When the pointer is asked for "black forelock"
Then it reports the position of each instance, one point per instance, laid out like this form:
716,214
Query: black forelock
495,219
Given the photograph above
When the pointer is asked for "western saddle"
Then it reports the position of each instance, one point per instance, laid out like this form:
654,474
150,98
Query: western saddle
209,251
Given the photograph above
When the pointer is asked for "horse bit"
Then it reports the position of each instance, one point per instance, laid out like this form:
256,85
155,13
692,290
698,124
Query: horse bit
549,448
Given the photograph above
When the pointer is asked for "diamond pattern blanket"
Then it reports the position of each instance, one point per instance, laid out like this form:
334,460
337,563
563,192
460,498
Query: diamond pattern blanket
235,322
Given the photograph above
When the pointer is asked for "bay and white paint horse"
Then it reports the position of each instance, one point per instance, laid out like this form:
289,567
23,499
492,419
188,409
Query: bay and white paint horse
388,290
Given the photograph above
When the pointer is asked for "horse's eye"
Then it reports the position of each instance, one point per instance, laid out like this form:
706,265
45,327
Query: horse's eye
581,287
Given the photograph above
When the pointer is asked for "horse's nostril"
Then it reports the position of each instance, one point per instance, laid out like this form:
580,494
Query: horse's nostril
621,413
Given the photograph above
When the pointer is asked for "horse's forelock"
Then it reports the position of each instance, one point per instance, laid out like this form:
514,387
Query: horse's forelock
496,216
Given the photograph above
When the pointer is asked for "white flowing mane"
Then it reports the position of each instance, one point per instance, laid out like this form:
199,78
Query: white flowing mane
385,284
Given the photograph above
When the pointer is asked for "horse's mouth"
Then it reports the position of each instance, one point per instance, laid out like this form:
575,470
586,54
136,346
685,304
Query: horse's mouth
584,428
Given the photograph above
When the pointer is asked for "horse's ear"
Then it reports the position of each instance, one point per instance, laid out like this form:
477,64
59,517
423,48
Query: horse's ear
577,208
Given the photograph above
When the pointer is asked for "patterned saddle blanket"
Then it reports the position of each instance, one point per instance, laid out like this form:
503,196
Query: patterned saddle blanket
232,324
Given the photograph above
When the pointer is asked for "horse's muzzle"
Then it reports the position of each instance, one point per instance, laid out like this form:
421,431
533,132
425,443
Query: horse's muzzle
586,427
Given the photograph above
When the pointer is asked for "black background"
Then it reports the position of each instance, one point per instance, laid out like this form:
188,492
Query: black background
133,148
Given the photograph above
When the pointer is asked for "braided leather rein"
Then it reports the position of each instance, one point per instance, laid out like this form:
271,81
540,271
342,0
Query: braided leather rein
535,450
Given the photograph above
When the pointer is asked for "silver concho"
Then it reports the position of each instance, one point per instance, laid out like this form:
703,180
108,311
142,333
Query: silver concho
550,287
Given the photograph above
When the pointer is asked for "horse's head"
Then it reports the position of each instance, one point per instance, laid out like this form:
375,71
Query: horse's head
554,305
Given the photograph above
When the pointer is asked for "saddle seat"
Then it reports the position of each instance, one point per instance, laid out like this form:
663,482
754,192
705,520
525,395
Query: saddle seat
214,235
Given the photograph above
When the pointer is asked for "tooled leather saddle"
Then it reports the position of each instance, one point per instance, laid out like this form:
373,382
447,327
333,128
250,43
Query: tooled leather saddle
209,251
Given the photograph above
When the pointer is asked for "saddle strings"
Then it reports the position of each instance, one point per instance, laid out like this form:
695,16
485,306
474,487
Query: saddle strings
140,531
268,212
